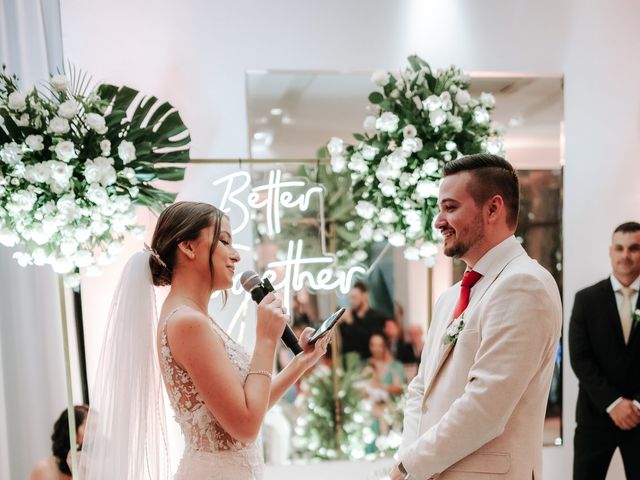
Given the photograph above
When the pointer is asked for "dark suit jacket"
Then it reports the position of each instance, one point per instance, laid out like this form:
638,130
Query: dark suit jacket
606,367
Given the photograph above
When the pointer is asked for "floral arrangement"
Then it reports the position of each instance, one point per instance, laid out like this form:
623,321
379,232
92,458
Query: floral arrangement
75,164
424,119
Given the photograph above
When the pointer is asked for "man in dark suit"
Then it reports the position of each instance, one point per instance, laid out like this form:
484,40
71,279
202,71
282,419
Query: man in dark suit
604,343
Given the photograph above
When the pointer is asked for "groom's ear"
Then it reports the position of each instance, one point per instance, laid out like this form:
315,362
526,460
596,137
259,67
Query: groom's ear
495,208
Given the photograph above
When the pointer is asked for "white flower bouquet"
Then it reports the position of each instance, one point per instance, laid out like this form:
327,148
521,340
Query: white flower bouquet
423,120
74,165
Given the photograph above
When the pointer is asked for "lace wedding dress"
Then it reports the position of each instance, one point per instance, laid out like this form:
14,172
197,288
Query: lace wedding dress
210,452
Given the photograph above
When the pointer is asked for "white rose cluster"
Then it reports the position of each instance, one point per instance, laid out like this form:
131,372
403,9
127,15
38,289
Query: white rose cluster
68,190
423,120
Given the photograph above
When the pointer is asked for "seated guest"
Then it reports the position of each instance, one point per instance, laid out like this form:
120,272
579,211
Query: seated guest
387,373
57,466
401,350
360,321
415,335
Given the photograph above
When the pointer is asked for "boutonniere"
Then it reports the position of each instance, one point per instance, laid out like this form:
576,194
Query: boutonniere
635,317
453,331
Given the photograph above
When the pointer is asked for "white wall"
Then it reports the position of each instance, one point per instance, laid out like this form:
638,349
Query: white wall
194,53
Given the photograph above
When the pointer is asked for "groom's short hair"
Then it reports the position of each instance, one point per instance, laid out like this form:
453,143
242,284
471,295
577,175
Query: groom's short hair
492,175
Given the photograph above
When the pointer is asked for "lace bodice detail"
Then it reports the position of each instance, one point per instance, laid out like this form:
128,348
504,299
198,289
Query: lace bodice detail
201,429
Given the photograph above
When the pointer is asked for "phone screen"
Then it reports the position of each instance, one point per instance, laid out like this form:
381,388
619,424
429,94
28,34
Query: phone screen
326,326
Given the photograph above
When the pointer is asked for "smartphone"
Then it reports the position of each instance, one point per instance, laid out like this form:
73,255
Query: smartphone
326,326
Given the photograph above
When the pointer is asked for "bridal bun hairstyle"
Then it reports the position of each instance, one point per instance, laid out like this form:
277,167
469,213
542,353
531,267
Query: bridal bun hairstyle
178,222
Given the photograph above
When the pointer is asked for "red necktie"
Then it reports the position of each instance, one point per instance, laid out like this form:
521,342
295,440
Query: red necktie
469,279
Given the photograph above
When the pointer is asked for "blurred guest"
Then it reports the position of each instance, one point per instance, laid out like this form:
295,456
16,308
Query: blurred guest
359,322
57,466
604,343
387,373
415,335
402,351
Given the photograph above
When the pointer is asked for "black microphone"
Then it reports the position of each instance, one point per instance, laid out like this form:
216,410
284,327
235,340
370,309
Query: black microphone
259,289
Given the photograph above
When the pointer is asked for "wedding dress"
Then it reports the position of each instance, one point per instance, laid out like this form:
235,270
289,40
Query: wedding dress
210,452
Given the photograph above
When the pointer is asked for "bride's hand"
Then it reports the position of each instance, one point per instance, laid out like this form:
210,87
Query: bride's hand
312,353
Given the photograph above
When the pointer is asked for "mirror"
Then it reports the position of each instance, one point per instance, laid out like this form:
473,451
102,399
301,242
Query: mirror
290,116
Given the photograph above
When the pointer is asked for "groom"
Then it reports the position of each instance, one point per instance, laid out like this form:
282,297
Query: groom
476,408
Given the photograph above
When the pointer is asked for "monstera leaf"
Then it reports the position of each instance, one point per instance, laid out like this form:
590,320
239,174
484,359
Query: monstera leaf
160,136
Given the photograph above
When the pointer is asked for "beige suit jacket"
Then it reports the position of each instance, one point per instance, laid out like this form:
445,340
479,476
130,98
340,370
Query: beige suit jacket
476,408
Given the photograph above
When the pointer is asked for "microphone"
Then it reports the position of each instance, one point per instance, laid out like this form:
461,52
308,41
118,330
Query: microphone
259,289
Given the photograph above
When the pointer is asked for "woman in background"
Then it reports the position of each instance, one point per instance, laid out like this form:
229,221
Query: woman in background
56,466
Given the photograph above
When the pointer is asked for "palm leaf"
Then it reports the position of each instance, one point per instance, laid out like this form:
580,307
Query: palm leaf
157,130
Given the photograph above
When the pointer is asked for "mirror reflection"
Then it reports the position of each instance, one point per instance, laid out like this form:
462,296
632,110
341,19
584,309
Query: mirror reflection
351,405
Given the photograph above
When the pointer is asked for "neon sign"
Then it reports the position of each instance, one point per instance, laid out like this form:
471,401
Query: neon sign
276,197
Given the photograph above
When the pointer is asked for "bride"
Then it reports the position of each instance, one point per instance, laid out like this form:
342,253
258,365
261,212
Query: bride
219,393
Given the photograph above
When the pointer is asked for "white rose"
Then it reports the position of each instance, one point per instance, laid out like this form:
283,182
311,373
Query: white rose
39,173
445,98
493,146
405,180
91,173
411,253
39,257
456,123
365,209
68,247
65,151
358,164
369,152
58,125
413,217
60,172
335,146
427,189
360,256
11,153
411,145
97,194
366,232
451,146
8,238
387,216
34,142
122,203
105,147
487,100
98,227
409,131
437,118
396,239
23,258
338,163
380,78
432,103
481,116
428,249
462,97
62,265
68,109
96,122
397,160
430,166
59,83
17,101
23,200
83,258
23,121
126,151
369,124
387,122
395,93
130,174
388,189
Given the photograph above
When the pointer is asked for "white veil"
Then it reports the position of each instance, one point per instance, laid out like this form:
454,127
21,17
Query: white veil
125,435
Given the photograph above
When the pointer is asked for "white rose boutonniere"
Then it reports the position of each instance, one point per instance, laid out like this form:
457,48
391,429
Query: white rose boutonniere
453,331
635,317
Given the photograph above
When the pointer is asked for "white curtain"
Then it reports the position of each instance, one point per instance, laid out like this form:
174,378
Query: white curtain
32,378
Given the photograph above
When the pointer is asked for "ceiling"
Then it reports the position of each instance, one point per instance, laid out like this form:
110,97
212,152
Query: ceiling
292,114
